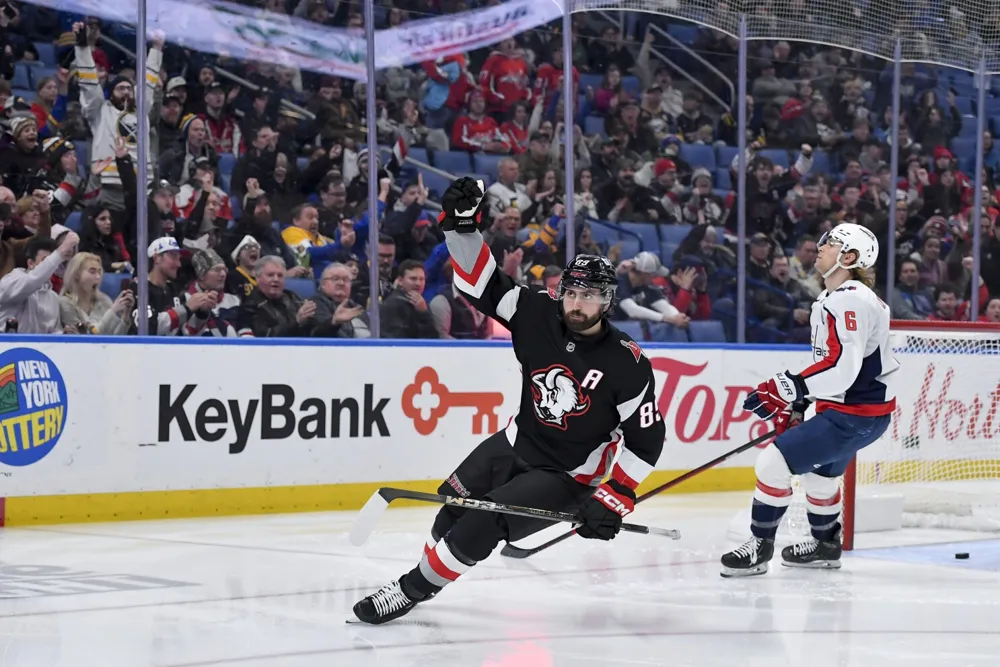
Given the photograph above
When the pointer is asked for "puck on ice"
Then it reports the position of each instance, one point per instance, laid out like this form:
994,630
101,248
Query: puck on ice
962,556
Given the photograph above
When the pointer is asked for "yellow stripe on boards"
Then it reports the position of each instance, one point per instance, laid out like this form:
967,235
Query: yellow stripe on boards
147,505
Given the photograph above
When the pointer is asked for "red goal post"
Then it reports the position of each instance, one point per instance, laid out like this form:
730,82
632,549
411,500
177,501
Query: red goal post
924,349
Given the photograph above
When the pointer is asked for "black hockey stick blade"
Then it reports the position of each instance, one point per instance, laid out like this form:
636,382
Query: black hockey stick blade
370,514
512,551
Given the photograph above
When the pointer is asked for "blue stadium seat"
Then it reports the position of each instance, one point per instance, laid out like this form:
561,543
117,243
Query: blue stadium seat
593,125
993,103
821,163
667,254
111,283
304,287
25,93
301,164
227,162
75,221
630,84
46,53
603,234
724,178
454,162
698,155
484,163
674,233
778,156
419,154
436,183
38,73
592,80
964,149
646,231
964,104
709,331
631,327
21,78
630,247
724,156
661,332
684,32
968,130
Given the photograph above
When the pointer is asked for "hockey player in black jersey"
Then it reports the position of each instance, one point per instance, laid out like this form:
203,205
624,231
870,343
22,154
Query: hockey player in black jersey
587,395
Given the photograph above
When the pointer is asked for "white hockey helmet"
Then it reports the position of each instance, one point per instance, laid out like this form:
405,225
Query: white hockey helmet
852,238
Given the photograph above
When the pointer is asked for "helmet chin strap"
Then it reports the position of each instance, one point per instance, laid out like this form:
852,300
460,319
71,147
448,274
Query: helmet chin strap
838,265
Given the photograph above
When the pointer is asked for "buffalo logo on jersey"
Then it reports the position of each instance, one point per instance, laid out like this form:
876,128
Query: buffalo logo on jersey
632,347
557,396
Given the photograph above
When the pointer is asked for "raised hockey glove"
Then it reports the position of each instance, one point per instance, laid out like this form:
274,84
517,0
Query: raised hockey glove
603,512
462,206
771,397
792,417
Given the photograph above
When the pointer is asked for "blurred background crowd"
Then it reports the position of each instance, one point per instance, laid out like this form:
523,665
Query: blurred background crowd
258,198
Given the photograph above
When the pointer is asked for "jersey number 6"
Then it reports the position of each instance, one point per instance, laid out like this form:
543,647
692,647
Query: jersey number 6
648,415
849,321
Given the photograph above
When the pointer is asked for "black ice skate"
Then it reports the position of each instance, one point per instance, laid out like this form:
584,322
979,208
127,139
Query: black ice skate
749,559
386,604
816,554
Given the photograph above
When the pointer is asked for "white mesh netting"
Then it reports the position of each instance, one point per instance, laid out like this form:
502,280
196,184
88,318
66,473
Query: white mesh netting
956,33
941,453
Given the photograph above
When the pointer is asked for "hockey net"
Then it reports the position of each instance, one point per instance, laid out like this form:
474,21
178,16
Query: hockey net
938,465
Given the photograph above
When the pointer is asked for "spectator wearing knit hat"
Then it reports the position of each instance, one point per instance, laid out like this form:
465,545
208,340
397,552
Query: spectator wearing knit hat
178,164
22,159
210,278
241,280
114,115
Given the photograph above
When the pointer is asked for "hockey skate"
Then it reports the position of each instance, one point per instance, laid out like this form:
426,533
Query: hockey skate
815,554
749,559
386,604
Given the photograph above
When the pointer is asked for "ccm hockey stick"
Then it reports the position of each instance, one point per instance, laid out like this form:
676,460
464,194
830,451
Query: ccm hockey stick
512,551
369,515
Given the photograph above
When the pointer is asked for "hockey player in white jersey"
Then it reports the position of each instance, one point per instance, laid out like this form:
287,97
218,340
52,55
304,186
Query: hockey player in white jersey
852,357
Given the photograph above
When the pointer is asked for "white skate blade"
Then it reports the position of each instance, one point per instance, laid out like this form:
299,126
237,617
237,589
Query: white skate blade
367,519
815,565
730,573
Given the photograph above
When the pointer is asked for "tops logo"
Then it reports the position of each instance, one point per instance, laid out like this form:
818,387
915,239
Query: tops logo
426,400
32,406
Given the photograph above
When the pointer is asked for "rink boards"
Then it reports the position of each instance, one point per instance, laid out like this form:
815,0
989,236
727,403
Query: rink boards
98,429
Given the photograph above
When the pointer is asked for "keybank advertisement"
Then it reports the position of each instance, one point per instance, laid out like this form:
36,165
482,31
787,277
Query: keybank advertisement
78,417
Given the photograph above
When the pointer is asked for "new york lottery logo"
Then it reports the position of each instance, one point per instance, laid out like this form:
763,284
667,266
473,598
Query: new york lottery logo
32,406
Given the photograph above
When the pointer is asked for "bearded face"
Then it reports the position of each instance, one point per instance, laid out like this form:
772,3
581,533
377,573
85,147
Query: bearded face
122,97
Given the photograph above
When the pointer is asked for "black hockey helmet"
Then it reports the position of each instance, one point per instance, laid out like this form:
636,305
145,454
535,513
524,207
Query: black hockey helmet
590,272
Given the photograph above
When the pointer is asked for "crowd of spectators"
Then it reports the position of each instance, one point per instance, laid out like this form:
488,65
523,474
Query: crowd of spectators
258,194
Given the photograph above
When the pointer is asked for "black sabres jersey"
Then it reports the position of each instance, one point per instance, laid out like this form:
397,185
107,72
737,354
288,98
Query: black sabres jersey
584,399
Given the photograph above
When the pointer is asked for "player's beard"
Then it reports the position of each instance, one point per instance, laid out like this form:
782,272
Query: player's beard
577,322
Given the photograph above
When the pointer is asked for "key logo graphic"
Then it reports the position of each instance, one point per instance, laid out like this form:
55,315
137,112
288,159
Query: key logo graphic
557,396
426,401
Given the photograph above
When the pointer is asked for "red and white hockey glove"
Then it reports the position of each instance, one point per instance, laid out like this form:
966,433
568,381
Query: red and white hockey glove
603,512
770,398
791,418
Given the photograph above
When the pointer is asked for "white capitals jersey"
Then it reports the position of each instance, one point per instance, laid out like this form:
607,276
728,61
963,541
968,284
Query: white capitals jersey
851,352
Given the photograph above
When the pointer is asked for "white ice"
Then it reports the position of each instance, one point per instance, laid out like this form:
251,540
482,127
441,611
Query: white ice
262,591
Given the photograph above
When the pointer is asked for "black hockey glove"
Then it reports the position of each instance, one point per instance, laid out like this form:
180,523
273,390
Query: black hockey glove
463,204
603,512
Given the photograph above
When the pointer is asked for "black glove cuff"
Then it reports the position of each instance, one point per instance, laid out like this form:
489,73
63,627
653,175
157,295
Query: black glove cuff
621,489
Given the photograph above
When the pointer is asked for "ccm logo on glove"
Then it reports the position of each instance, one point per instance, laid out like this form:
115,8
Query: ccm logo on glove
614,502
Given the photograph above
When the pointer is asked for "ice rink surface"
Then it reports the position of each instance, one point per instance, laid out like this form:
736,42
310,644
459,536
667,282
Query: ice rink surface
263,591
